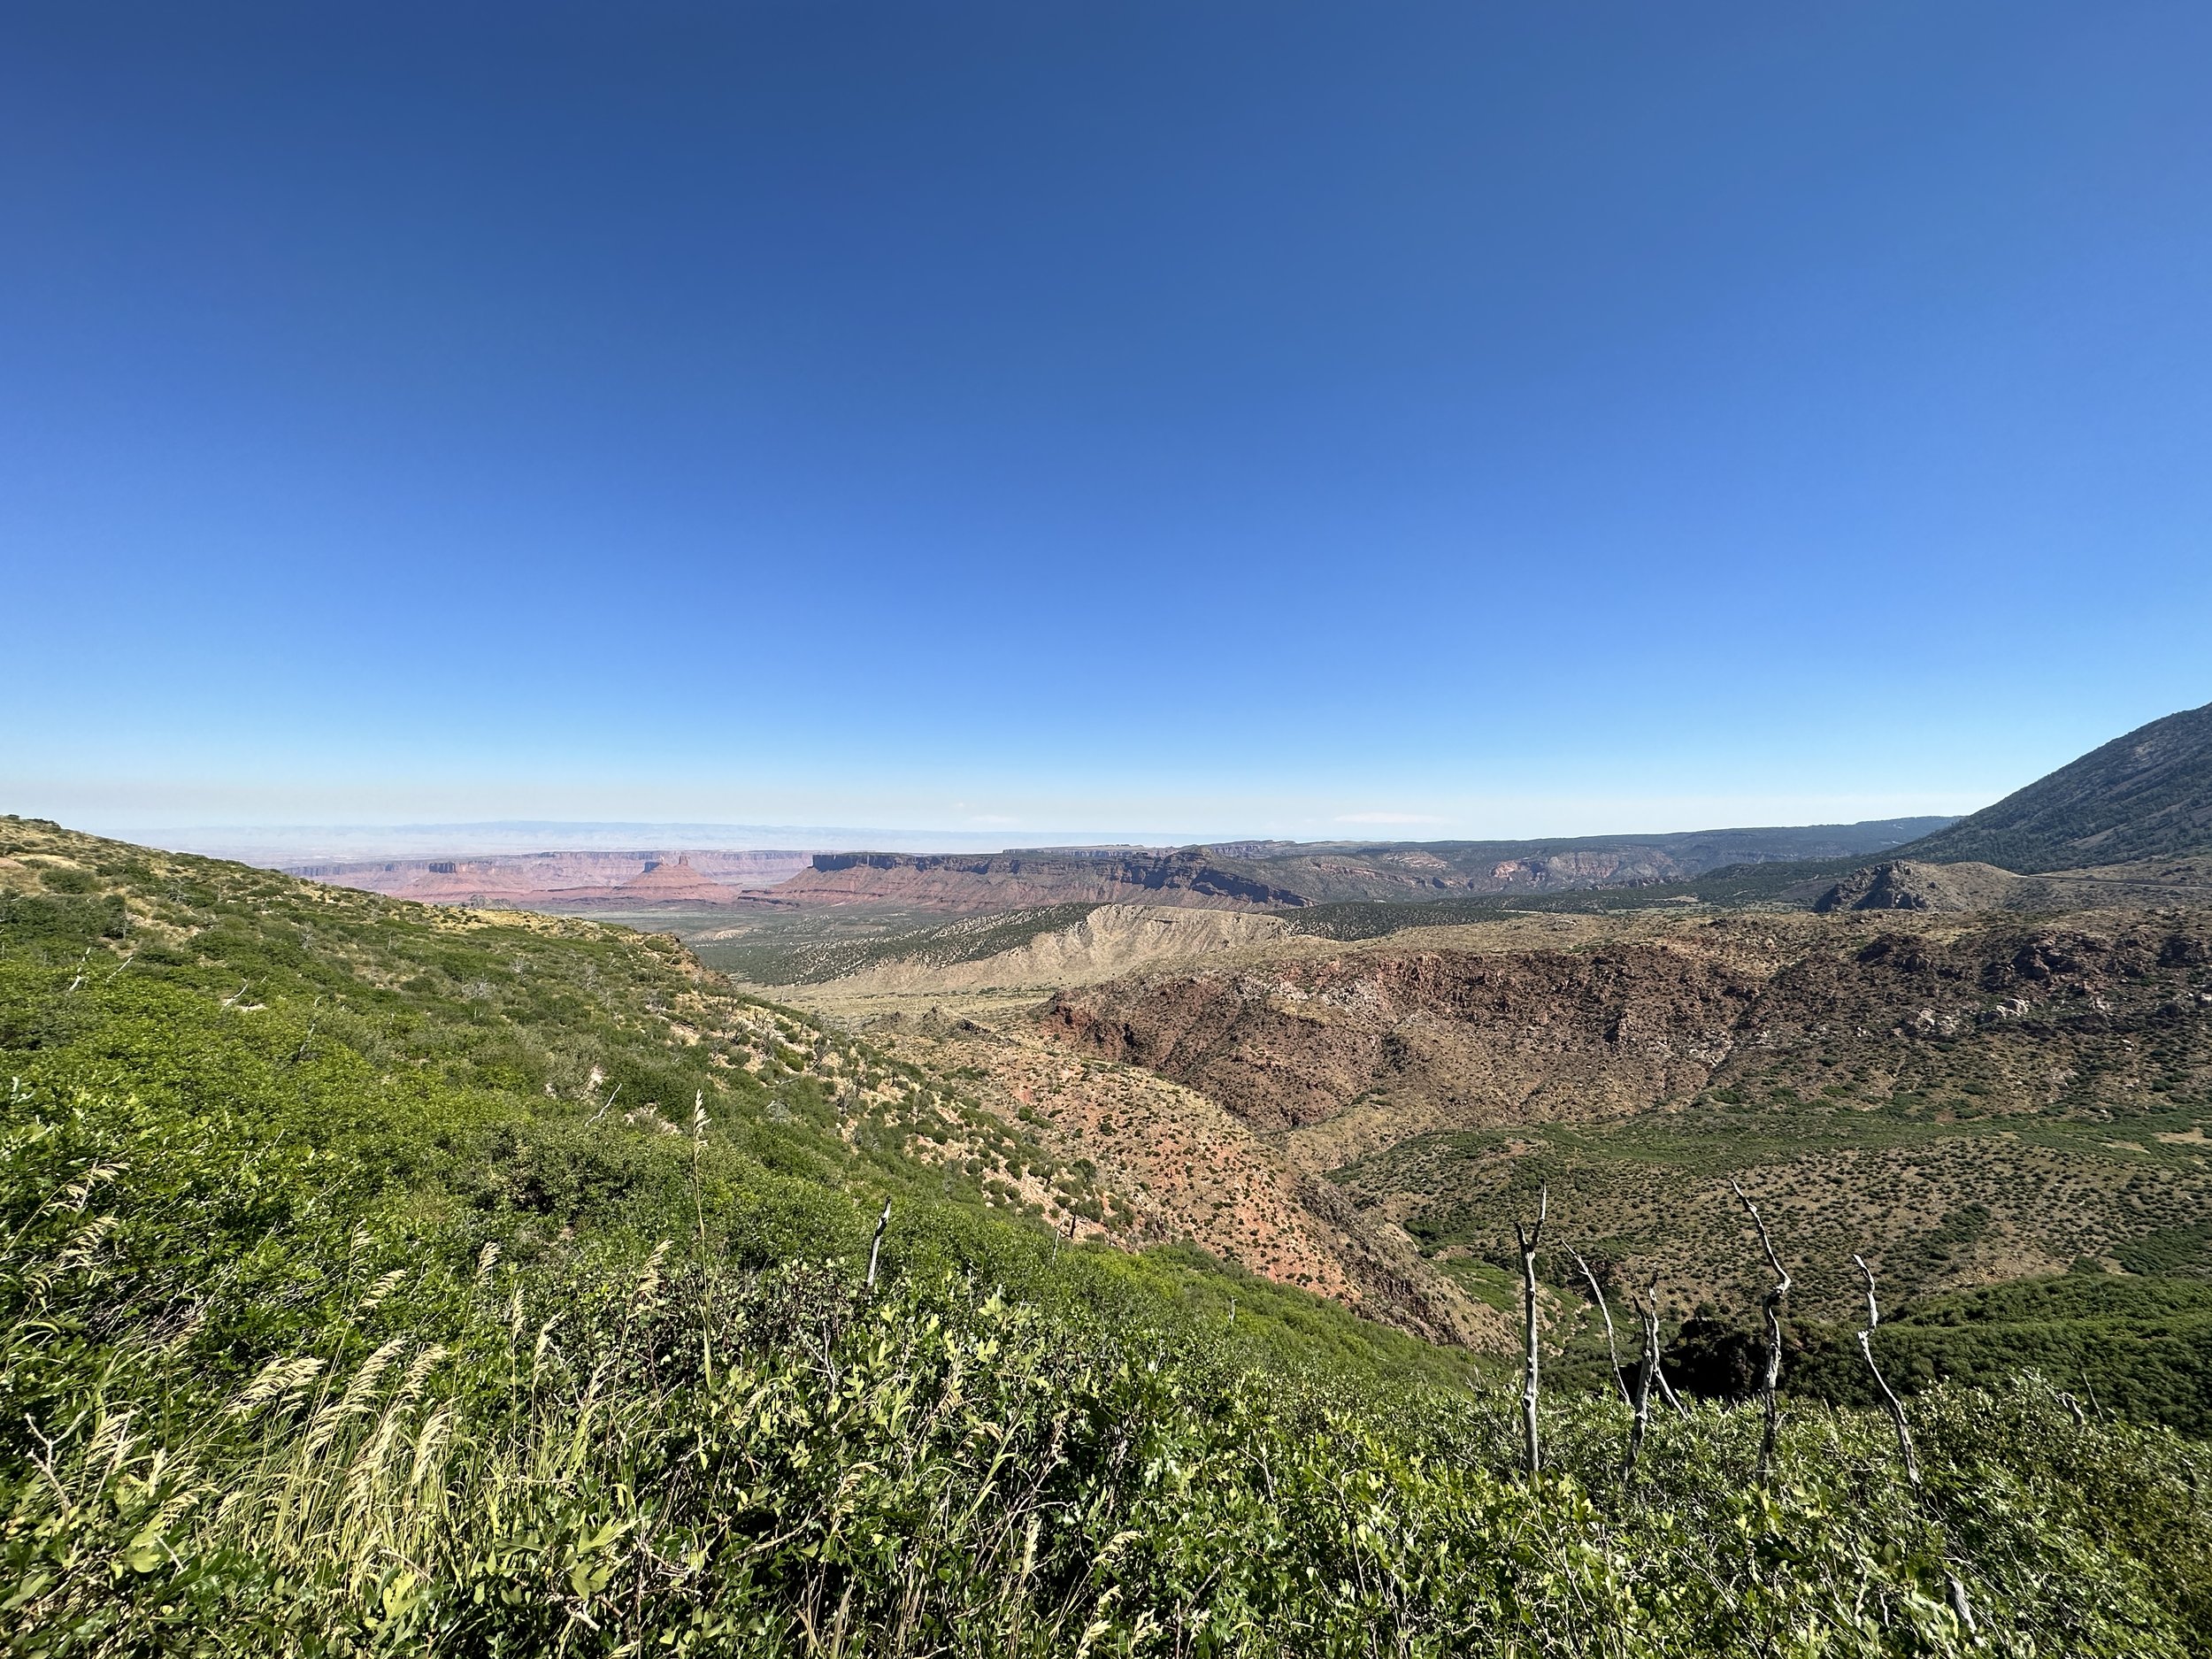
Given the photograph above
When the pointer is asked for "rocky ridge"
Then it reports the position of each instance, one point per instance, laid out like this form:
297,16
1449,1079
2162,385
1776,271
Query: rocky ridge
1111,940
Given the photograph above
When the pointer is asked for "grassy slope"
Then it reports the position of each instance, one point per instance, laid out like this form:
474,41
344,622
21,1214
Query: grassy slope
344,1313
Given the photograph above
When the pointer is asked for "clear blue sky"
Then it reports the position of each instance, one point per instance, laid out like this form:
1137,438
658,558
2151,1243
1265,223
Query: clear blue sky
1188,417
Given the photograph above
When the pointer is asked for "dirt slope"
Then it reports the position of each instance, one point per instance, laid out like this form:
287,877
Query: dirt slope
1194,1171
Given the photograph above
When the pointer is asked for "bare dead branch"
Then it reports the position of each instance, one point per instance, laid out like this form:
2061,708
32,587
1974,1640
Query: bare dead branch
1960,1606
2095,1404
1771,1306
1667,1393
1527,1237
605,1105
1647,1367
1896,1406
1612,1348
875,1245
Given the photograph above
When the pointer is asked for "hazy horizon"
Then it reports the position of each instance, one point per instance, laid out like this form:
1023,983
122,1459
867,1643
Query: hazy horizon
302,844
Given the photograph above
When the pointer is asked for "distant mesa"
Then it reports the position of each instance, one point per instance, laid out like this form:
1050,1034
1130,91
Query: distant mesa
661,881
1290,875
568,880
2129,822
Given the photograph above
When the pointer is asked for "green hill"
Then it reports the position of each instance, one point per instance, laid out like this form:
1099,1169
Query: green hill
377,1279
2147,795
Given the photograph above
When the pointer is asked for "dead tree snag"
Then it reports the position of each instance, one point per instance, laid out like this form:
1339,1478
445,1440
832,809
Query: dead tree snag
1770,1389
1896,1406
1612,1349
1527,1238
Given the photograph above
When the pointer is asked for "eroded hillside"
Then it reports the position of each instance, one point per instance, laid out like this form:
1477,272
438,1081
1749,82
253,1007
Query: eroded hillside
1963,1098
1193,1169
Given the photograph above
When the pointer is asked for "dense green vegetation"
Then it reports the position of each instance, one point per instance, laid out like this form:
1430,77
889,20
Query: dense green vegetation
2118,1347
349,1306
2133,1347
2141,1341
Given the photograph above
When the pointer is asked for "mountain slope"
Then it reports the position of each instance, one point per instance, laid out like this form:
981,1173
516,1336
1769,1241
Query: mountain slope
2147,795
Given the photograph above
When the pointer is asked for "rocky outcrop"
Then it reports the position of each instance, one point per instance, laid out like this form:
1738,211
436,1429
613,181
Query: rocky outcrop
1345,1054
1906,885
1373,1045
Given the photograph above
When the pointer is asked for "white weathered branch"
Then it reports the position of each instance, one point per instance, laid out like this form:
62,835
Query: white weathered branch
1769,1391
1896,1406
1647,1368
1527,1238
875,1245
1612,1348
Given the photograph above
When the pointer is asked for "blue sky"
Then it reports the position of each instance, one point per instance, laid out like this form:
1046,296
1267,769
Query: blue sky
1188,417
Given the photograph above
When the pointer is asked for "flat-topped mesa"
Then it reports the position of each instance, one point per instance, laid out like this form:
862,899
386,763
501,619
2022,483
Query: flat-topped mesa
1287,875
661,881
559,881
1183,876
